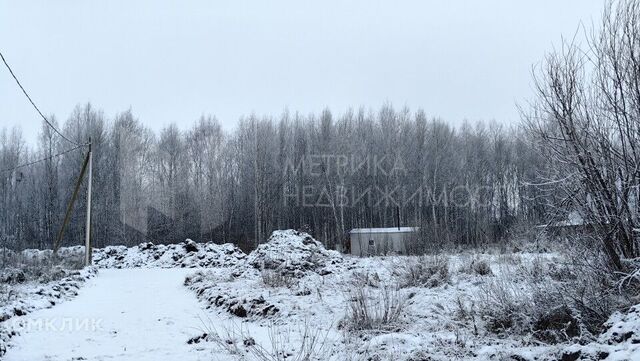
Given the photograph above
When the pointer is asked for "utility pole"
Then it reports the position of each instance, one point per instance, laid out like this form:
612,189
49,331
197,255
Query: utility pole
87,237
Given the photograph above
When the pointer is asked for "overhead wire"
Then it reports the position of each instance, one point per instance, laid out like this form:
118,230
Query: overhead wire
76,145
43,159
34,104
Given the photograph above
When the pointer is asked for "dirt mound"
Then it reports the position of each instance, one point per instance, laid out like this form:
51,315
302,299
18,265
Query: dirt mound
292,256
216,292
619,341
295,254
187,254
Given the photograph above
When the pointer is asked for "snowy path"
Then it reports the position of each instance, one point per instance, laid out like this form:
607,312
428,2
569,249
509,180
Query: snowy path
129,314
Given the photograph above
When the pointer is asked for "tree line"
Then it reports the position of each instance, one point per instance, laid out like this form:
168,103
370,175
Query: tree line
324,173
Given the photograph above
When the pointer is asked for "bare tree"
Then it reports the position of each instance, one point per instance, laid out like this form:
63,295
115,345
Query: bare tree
586,115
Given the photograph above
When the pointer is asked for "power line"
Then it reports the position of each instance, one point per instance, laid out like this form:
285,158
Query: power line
34,104
43,159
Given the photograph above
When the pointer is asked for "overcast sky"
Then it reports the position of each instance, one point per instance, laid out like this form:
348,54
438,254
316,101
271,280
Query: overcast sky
171,61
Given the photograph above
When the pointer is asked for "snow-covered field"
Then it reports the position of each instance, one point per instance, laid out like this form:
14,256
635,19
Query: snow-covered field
292,299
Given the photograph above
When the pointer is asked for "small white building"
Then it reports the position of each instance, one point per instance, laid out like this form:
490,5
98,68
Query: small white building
381,241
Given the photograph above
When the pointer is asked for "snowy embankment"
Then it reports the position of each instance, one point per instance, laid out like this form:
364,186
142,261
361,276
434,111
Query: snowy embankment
187,254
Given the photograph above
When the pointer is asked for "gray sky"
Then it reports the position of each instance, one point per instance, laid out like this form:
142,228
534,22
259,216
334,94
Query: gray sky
171,61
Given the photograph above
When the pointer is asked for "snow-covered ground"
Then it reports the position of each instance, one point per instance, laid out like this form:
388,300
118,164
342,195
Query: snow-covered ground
128,314
20,296
292,299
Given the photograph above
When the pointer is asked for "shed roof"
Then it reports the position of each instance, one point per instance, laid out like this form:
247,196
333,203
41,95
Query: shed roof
385,230
574,219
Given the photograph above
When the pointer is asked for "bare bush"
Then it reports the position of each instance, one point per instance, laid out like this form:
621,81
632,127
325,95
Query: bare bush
553,307
238,341
540,312
477,266
425,271
377,310
561,272
504,306
481,267
6,294
536,270
311,348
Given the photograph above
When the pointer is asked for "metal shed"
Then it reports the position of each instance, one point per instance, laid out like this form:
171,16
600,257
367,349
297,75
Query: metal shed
381,241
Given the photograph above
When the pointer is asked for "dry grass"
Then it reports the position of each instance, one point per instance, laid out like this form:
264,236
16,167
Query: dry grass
552,302
373,310
476,265
425,271
311,343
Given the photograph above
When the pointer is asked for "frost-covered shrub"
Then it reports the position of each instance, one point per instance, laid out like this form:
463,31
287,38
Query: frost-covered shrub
377,310
561,273
477,266
481,267
559,324
536,270
6,294
238,341
552,309
425,271
529,308
504,306
12,276
542,313
39,266
54,274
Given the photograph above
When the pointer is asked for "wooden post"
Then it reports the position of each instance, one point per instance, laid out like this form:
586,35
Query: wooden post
87,237
67,215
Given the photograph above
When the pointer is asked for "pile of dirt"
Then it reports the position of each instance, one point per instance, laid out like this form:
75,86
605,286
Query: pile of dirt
619,341
294,253
187,254
243,291
214,292
68,258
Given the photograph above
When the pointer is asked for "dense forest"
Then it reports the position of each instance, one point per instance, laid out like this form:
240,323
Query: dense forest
575,150
324,173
